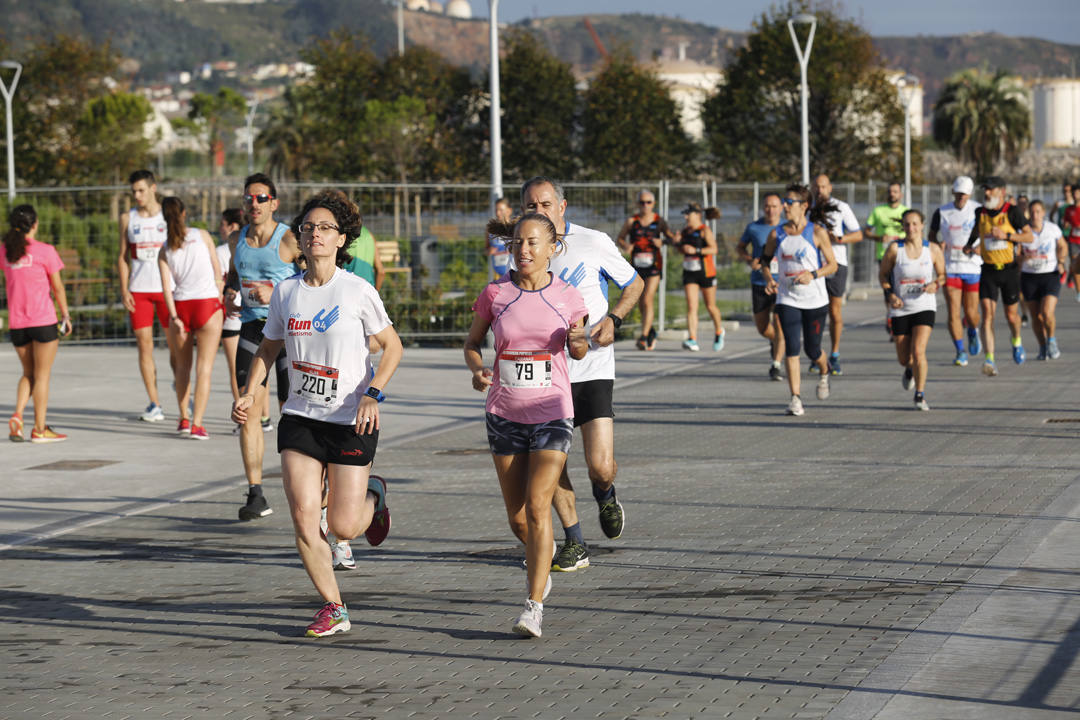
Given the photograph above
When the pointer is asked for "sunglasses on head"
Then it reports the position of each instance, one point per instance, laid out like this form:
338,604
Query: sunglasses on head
251,199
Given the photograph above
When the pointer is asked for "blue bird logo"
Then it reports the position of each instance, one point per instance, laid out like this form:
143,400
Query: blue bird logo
322,324
575,277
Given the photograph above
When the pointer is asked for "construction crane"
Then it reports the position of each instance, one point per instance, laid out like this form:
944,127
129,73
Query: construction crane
596,39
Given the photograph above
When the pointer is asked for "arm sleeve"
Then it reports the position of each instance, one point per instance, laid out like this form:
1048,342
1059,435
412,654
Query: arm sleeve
482,306
872,220
613,264
274,328
53,262
746,237
935,221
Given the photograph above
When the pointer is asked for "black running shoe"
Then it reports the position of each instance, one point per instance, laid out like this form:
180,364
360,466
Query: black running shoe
572,556
774,374
255,507
612,518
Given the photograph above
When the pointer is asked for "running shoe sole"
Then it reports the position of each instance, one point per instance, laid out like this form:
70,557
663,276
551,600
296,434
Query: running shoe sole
344,626
380,522
15,429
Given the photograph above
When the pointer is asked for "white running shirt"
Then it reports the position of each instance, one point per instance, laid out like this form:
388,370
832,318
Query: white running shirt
841,221
191,268
325,330
145,236
795,253
589,259
909,277
954,229
231,323
1040,255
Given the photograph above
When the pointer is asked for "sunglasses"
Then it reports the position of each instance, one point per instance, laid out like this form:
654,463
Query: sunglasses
645,202
789,201
261,199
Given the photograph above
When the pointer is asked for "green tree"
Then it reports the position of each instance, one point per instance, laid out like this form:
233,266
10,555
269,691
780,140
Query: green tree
288,135
539,106
856,124
631,125
394,132
115,121
220,114
983,117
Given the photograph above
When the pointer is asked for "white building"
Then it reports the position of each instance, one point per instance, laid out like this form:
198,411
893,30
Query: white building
689,83
1056,113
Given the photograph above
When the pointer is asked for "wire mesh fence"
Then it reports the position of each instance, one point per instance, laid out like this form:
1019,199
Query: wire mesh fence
441,264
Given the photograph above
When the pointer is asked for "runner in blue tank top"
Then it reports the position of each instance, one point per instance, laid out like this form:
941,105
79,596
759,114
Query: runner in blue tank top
263,253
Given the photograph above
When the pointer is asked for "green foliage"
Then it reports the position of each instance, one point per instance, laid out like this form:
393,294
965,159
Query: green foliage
539,103
219,113
856,125
631,125
115,121
287,136
394,133
983,117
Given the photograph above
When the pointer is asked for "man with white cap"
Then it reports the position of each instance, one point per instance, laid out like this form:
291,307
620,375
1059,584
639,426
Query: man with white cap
951,227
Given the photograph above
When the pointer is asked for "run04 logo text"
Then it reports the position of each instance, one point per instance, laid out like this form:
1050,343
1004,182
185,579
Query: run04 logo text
320,323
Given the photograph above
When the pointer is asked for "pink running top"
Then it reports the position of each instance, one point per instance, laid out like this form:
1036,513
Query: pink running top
30,303
531,383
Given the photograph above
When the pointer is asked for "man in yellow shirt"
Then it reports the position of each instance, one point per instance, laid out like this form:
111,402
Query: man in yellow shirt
999,226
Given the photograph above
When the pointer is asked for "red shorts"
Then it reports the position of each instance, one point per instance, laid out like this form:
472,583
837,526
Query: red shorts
196,313
145,306
962,282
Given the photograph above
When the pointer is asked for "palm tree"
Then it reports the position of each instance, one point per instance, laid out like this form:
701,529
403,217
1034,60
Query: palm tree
288,137
983,117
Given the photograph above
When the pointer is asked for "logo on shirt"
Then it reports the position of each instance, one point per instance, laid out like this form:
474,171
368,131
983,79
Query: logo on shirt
575,277
323,319
297,324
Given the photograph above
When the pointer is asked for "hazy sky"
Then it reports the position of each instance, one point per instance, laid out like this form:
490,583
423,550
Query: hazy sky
1057,20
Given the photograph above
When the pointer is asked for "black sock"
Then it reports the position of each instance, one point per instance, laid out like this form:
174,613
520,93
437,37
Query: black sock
573,534
254,489
918,396
603,496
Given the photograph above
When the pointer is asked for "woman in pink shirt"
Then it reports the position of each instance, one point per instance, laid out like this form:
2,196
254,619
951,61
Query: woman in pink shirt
535,317
31,271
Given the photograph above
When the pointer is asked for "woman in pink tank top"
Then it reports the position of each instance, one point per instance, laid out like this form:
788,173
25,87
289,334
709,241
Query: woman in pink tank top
535,318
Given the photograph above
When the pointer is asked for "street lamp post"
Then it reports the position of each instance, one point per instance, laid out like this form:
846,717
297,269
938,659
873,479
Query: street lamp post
496,124
401,27
9,92
253,106
804,59
906,85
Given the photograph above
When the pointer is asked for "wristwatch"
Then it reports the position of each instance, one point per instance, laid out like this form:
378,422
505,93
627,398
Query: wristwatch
375,393
615,319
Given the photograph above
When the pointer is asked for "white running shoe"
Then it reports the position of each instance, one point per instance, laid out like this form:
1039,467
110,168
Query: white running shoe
324,527
921,404
343,557
554,550
529,621
547,586
153,413
795,406
823,387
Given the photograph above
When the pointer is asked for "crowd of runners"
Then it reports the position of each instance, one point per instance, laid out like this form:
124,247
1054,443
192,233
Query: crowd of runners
300,301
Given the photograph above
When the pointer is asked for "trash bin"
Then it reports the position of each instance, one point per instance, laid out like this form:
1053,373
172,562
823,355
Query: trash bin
424,261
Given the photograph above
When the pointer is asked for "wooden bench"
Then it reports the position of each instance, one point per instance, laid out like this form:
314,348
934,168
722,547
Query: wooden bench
77,285
390,256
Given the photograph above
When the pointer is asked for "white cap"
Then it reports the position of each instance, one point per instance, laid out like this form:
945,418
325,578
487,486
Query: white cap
963,184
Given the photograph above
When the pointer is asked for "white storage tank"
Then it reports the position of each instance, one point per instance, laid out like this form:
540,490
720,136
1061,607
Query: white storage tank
1056,113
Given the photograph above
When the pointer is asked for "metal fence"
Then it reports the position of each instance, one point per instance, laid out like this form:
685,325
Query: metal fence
440,233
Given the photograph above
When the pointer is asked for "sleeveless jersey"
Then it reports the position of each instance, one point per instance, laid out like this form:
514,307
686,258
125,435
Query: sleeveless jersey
643,252
326,331
145,236
259,266
231,323
795,253
954,231
1040,256
996,252
697,262
191,268
910,277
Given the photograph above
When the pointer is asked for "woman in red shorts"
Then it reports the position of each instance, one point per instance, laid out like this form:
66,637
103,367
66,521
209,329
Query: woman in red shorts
31,271
193,297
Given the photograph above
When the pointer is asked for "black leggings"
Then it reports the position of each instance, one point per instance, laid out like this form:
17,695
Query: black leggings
812,324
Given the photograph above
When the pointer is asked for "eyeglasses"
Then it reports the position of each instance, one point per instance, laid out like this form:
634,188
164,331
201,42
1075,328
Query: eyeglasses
645,202
261,199
308,228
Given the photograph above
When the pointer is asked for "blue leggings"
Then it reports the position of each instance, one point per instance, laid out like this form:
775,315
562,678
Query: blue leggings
810,322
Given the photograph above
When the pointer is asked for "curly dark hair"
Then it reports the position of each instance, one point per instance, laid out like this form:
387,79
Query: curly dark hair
346,215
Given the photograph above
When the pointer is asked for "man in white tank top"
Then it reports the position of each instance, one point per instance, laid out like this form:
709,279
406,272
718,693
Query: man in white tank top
950,227
142,233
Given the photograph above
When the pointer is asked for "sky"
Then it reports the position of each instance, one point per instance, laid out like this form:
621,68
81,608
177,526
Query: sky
1057,20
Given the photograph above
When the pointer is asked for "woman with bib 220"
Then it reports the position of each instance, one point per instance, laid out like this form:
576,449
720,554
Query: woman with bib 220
530,413
324,318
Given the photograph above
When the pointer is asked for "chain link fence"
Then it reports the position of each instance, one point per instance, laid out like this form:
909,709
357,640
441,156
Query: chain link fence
440,264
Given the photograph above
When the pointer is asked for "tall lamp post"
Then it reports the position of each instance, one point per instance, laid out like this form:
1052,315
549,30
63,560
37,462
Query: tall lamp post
804,59
9,92
253,107
907,85
496,124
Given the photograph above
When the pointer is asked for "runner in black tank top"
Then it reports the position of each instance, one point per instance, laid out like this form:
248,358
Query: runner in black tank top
645,243
698,246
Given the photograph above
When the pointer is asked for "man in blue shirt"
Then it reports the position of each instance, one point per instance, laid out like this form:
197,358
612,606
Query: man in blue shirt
754,238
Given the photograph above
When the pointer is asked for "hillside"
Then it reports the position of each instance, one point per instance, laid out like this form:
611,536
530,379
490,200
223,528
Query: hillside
164,35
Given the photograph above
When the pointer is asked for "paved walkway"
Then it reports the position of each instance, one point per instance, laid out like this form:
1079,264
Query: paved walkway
864,561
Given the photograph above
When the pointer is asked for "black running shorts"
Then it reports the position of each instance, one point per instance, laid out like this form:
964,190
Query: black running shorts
836,284
592,399
761,300
1006,280
251,334
329,443
40,333
903,324
1036,286
506,437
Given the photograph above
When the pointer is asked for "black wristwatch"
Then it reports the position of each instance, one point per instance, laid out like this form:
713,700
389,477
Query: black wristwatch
615,319
375,393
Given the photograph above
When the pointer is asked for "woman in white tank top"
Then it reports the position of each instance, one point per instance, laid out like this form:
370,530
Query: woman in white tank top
190,264
1040,278
911,273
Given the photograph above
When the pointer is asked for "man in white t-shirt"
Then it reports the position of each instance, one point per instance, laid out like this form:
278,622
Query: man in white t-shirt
951,227
588,260
845,230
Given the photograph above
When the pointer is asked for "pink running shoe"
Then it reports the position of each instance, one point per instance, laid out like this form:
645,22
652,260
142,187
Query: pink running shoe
198,432
380,522
183,427
331,618
48,435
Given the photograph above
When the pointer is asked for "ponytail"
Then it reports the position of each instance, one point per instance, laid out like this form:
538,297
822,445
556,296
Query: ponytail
172,208
21,219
